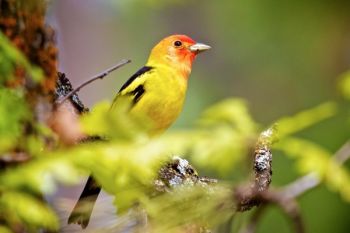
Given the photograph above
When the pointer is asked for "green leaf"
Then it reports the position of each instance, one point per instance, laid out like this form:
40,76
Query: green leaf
116,123
28,210
222,138
189,205
13,114
344,85
42,173
4,229
232,112
219,149
11,58
290,125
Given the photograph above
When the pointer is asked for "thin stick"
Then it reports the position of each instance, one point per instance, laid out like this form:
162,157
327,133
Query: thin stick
343,153
253,221
289,206
300,186
90,80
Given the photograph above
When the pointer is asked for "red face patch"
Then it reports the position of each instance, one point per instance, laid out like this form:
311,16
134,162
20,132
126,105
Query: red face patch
175,52
185,39
181,44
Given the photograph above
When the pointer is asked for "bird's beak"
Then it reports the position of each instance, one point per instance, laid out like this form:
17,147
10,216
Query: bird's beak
198,48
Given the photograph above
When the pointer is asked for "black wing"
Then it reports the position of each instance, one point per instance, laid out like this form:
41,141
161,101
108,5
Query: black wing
137,74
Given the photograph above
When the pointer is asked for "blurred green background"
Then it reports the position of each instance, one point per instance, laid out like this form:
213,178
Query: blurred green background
281,56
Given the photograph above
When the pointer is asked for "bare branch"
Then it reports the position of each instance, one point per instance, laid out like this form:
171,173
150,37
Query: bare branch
253,221
90,80
247,196
262,167
343,153
288,205
300,186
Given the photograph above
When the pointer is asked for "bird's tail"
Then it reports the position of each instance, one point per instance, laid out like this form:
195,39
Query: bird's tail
83,208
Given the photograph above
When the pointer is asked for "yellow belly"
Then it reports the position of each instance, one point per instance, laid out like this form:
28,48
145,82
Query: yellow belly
162,100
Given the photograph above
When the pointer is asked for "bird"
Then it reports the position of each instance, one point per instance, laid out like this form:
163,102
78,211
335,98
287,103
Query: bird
158,91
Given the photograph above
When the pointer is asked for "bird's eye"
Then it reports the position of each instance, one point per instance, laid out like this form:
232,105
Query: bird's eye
178,43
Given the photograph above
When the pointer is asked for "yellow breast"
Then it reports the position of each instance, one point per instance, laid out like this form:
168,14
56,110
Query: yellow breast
163,98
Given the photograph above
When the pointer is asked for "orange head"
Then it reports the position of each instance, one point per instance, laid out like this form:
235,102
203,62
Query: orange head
177,52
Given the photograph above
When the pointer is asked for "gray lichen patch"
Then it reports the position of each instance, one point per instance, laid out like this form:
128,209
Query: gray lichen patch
263,159
179,172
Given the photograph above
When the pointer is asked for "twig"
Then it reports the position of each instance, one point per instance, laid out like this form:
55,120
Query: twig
288,205
311,180
262,167
300,186
98,76
247,196
343,153
253,221
263,159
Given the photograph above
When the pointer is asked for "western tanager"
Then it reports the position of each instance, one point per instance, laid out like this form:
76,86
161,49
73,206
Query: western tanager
157,91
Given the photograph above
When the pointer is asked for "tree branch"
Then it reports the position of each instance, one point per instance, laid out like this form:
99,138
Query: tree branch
247,196
90,80
257,193
253,222
343,153
288,205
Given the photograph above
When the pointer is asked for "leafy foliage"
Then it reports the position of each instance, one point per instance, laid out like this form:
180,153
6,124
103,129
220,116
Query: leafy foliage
21,207
14,110
304,119
127,163
13,113
190,205
344,85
